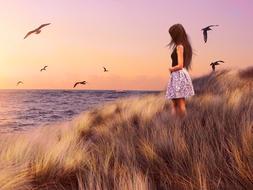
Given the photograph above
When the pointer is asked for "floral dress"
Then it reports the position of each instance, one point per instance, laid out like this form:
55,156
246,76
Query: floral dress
180,83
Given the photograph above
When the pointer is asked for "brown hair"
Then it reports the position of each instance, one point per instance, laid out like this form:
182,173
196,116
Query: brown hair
179,36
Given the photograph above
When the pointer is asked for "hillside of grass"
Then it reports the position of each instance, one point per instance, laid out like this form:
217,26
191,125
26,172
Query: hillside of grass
135,143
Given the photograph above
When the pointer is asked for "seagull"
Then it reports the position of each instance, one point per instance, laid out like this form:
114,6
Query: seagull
83,82
44,68
19,82
37,30
213,64
105,70
205,31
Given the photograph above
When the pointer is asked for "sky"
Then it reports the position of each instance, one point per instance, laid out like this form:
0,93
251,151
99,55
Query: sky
126,36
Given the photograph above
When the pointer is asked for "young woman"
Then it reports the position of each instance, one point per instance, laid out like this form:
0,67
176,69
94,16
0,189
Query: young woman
180,84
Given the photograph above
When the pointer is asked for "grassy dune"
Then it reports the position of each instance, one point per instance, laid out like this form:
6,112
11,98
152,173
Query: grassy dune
136,144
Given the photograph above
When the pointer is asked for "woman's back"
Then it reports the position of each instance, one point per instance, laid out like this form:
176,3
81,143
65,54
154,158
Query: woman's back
174,57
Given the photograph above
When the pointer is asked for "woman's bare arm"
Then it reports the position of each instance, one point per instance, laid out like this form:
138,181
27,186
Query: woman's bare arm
180,58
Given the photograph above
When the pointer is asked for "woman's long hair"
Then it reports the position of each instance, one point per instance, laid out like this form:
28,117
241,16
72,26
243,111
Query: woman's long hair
179,36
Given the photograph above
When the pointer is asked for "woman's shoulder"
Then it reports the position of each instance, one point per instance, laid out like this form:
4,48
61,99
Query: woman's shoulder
180,47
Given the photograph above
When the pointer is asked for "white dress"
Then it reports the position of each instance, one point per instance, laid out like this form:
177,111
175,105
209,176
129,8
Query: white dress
180,85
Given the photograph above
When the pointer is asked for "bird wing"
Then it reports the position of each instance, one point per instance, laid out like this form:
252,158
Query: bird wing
205,35
29,33
220,61
208,27
212,25
46,66
211,64
104,68
43,25
216,63
76,84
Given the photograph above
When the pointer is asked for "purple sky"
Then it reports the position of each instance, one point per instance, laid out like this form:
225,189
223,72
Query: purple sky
128,37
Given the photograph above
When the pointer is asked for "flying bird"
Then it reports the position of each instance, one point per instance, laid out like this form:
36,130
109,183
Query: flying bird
37,30
213,64
44,68
105,70
83,83
205,31
19,82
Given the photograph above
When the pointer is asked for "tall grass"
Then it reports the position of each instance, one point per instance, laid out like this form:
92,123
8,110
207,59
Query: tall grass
136,144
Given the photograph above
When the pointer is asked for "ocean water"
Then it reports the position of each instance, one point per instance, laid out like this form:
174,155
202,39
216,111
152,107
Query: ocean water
21,110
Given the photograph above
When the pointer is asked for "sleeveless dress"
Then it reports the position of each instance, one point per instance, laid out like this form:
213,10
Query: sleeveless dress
180,83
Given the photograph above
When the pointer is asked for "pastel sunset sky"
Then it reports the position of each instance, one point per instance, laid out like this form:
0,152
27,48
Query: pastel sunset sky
126,36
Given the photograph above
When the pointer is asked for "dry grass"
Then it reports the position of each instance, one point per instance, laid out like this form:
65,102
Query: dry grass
136,144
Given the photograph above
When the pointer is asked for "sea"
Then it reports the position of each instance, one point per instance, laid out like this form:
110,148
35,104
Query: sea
21,110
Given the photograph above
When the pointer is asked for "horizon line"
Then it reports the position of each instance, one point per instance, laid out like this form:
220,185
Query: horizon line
80,89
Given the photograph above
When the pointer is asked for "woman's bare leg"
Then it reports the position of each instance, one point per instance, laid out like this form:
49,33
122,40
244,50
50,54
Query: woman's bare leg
181,107
174,107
